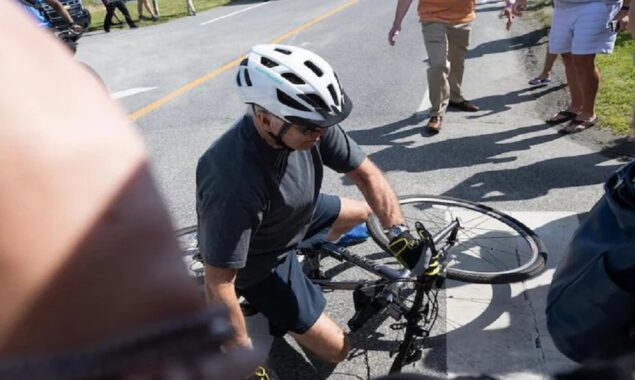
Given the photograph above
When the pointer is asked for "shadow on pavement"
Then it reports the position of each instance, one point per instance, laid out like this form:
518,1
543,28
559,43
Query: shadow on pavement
555,173
500,103
529,39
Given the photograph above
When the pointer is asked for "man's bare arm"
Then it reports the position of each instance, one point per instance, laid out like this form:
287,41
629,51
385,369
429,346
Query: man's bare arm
377,192
85,239
219,289
400,13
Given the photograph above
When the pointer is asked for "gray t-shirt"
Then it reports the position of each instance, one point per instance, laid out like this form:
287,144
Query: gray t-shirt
255,202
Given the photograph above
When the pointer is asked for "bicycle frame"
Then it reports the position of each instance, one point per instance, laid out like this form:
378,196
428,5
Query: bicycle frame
409,350
387,274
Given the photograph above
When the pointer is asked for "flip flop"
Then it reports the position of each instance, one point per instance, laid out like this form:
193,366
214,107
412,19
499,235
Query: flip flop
576,126
561,117
537,81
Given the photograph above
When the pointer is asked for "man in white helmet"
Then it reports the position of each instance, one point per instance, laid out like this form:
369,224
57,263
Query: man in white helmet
258,196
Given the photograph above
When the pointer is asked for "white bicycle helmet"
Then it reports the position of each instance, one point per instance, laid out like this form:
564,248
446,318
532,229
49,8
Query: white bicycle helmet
294,84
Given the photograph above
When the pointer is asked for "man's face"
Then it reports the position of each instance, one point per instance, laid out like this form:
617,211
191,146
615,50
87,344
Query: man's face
297,137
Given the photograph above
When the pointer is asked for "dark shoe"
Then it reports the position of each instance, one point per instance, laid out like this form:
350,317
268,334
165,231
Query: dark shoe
538,81
561,117
465,105
434,124
155,18
106,30
133,26
576,126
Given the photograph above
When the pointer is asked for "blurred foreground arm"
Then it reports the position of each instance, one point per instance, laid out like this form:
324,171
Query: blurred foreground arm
87,251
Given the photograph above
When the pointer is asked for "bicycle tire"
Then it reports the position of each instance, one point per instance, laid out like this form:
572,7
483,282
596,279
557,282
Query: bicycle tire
188,242
531,263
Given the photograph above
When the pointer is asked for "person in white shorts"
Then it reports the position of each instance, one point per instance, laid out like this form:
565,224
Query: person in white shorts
580,29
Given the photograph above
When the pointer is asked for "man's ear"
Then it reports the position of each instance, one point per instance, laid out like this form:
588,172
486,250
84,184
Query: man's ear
265,119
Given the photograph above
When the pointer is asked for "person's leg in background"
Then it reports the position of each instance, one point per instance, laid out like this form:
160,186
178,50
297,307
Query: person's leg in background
545,75
436,43
458,42
110,11
560,42
588,80
122,7
575,90
144,4
591,36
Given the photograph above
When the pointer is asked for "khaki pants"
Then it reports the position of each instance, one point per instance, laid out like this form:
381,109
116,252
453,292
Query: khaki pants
446,45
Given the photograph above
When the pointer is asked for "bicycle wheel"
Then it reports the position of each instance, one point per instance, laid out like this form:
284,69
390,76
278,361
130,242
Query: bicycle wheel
188,242
492,247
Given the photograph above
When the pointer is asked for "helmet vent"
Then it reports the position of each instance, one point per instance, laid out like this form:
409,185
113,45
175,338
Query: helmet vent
336,100
238,79
244,62
313,68
267,62
290,102
314,100
291,77
247,78
283,51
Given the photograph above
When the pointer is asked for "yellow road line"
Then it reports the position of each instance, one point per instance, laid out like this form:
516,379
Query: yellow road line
212,74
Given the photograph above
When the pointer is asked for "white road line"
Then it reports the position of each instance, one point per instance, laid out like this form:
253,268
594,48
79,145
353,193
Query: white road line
232,14
130,92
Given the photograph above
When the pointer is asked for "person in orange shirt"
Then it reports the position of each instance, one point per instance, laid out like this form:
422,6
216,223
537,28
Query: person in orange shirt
446,26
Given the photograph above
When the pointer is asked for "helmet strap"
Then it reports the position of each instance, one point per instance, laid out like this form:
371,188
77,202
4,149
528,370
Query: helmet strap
278,138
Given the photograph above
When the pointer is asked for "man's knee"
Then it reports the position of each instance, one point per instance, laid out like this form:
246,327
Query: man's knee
584,62
326,340
354,210
340,356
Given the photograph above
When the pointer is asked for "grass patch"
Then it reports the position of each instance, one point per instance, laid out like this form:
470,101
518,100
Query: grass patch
615,99
168,10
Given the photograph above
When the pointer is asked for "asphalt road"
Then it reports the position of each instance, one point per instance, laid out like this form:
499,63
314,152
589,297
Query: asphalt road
177,82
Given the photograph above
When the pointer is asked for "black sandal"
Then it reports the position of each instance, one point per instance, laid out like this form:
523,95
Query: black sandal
561,117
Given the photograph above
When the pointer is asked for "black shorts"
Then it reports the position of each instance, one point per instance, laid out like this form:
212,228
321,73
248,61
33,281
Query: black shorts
289,300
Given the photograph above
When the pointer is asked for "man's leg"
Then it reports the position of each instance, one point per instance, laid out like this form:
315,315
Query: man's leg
575,90
436,42
458,41
588,78
550,59
352,213
333,216
122,7
325,339
110,11
293,304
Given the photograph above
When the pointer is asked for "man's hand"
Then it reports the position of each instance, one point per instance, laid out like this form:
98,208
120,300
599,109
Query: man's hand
392,35
76,28
622,20
410,251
